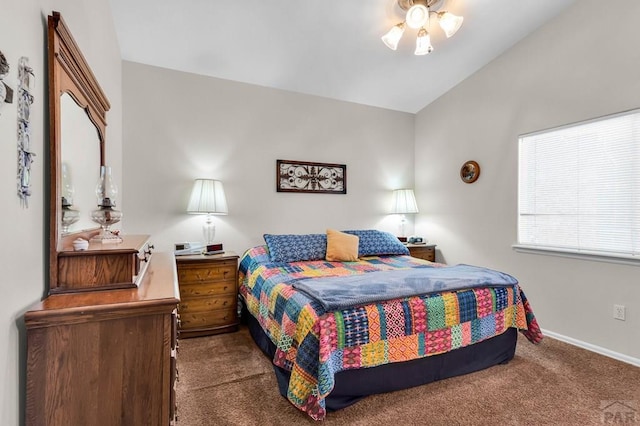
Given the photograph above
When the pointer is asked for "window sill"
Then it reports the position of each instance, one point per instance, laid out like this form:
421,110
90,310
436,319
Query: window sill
578,254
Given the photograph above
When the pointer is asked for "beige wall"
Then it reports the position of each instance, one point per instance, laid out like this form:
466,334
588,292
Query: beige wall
583,64
181,126
23,32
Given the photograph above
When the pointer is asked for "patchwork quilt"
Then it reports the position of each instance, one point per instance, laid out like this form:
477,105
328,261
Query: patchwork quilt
315,344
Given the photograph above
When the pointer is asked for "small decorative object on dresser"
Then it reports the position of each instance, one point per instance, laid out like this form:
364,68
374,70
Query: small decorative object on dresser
208,294
423,251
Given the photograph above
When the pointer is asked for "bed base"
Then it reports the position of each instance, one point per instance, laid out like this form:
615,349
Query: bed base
353,385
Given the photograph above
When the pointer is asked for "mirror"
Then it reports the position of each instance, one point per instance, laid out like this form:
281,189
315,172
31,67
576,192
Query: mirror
80,154
77,120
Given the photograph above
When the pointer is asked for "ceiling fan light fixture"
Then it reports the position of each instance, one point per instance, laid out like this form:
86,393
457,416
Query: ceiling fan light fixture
393,36
423,43
449,22
417,16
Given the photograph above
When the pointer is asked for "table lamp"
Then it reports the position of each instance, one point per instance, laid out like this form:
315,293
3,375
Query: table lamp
207,197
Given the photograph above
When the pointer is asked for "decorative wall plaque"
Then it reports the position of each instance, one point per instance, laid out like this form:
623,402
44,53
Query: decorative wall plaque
302,176
470,172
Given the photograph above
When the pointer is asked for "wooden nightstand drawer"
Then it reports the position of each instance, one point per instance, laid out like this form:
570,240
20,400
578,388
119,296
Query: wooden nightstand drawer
203,304
423,251
217,318
206,272
208,294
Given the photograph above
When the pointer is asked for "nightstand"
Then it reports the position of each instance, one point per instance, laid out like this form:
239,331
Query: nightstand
423,251
208,294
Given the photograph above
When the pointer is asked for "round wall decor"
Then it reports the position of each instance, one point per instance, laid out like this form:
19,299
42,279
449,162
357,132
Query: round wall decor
470,172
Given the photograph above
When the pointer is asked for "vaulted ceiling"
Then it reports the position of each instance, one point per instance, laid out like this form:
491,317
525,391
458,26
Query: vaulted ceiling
328,48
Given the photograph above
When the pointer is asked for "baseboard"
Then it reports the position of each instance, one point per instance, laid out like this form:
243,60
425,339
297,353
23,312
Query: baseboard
593,348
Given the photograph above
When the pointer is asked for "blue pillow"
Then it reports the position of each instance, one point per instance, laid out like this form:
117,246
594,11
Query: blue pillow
378,243
296,248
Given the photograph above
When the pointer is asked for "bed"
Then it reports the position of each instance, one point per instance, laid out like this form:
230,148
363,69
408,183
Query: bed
338,331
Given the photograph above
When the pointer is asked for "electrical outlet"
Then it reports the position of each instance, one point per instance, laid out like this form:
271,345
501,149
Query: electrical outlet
619,312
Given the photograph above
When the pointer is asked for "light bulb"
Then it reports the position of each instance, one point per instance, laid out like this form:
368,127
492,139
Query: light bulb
417,16
423,43
394,35
449,23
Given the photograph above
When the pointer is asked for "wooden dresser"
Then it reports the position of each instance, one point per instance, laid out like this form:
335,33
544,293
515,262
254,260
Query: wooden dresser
423,251
208,294
105,357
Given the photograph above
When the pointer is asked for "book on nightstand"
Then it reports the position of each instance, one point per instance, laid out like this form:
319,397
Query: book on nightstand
187,249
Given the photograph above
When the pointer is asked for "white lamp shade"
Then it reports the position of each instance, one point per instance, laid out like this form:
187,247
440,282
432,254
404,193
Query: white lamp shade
208,197
449,23
404,202
394,35
423,43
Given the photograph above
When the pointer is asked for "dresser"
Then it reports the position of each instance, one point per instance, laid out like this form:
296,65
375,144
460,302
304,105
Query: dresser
105,357
208,294
423,251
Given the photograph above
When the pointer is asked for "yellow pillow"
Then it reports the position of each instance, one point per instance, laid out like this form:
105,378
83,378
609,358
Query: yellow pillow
341,247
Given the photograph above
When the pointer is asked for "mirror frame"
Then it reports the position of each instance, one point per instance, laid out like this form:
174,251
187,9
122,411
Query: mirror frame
68,73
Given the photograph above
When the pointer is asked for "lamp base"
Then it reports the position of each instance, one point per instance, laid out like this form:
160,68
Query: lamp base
208,230
107,238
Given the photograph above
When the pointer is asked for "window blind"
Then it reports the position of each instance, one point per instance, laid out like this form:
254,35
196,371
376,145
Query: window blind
579,187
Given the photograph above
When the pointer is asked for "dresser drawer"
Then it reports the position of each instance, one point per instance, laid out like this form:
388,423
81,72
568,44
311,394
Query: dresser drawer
204,304
219,317
210,289
206,272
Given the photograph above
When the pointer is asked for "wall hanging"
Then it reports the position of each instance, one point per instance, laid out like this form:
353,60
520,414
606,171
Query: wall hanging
6,92
470,172
302,176
25,156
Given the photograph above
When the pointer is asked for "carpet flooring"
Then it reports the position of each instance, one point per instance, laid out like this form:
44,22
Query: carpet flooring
226,380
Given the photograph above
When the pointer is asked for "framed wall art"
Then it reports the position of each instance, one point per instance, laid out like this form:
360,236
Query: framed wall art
470,172
303,176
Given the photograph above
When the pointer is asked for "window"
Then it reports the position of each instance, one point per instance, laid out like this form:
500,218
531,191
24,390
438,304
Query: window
579,188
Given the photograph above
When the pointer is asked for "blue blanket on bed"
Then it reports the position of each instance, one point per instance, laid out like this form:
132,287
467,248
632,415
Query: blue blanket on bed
337,293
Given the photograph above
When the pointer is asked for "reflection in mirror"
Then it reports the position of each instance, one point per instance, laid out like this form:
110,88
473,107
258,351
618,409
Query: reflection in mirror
69,214
80,153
